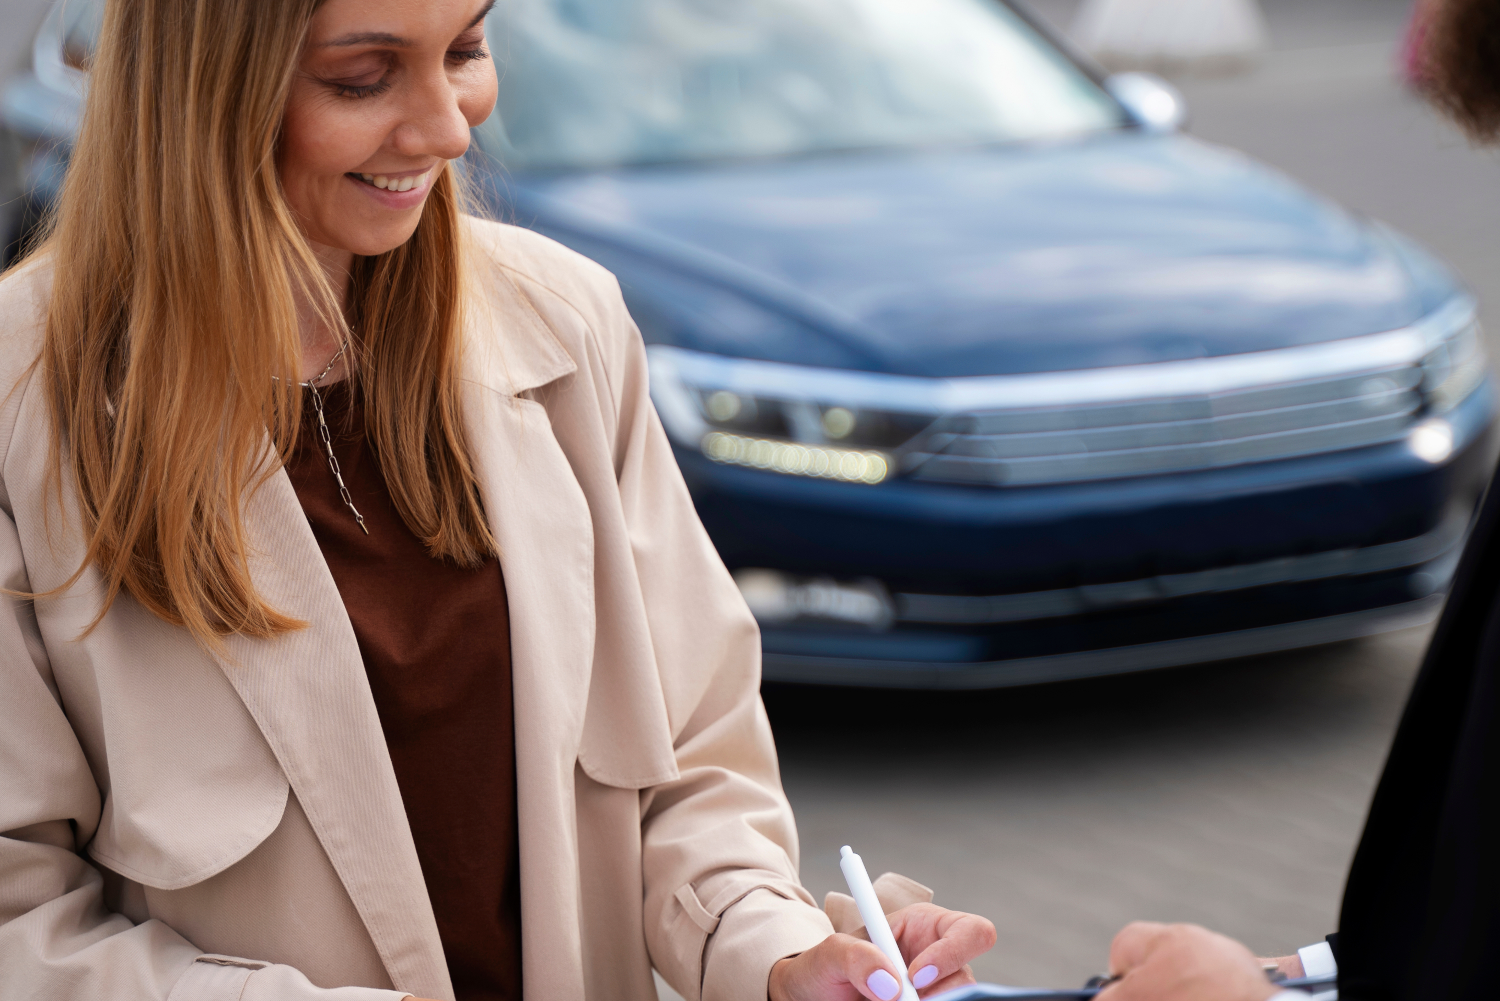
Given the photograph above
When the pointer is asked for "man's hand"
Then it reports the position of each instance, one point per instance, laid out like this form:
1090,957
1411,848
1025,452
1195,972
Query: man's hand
1288,966
846,968
1182,963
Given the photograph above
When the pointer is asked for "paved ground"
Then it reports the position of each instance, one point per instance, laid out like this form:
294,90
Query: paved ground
1228,795
1232,794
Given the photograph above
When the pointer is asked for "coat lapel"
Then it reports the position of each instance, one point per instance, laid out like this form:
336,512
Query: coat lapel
309,694
311,698
541,522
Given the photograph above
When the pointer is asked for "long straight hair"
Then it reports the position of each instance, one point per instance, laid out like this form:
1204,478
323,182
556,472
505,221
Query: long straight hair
172,345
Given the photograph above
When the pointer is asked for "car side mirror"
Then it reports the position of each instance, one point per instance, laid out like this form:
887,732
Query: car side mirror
1154,104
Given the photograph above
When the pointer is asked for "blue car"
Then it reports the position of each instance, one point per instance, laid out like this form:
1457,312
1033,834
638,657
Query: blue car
980,372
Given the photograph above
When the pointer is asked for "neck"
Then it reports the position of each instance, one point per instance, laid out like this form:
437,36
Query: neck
320,340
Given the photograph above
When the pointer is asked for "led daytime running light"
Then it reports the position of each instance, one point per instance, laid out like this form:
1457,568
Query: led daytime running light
842,464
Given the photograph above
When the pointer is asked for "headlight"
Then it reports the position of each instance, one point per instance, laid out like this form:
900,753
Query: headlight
1452,370
740,413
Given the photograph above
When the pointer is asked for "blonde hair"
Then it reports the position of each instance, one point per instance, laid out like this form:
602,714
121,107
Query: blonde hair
172,344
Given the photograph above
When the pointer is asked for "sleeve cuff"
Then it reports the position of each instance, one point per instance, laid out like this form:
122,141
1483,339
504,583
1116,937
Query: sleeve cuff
209,980
1318,961
760,929
216,978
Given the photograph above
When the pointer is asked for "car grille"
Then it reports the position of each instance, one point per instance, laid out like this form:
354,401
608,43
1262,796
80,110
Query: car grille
1134,438
1070,426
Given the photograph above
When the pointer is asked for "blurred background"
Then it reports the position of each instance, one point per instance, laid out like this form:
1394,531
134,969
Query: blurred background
1089,398
1227,794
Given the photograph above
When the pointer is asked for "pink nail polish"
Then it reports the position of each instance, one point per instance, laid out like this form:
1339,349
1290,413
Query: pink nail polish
925,976
884,986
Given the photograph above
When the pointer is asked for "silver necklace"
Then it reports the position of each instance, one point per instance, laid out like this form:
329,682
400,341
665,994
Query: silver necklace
327,438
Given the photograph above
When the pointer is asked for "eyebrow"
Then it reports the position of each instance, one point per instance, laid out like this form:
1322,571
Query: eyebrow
392,41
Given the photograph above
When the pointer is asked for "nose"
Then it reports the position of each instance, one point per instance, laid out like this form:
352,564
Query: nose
433,123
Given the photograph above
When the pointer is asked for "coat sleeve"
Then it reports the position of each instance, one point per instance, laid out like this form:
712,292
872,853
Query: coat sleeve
58,940
723,901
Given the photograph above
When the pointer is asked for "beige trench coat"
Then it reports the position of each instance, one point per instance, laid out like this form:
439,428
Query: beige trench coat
187,828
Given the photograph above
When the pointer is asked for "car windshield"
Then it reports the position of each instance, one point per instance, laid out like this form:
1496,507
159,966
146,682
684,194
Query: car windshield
591,83
594,83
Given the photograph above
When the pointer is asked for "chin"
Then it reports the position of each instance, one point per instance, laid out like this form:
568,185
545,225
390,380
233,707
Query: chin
375,242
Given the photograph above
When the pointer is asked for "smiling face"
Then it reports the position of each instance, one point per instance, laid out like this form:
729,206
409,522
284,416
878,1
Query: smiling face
384,95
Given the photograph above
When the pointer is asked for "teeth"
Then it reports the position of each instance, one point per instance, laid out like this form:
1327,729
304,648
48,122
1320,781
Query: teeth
396,183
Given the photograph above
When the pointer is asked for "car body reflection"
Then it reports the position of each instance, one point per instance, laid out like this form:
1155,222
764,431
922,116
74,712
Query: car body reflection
979,372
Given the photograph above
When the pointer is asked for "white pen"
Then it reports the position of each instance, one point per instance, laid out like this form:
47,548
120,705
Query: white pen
874,915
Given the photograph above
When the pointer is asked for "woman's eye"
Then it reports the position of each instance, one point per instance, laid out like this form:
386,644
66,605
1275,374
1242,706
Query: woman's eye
466,51
364,77
361,90
469,54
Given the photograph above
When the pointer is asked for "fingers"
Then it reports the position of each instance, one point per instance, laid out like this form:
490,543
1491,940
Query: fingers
959,938
866,967
848,960
1182,963
963,978
842,966
1132,945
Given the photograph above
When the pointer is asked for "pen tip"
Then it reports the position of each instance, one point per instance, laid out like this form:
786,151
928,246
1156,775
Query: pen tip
845,852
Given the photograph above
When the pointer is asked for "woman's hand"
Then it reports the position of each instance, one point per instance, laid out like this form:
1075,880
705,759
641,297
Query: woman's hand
845,968
1182,963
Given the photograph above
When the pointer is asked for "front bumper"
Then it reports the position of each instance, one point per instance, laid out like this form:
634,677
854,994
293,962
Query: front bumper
996,587
1014,672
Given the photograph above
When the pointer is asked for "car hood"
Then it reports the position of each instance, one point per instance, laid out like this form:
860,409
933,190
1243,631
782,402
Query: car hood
1121,249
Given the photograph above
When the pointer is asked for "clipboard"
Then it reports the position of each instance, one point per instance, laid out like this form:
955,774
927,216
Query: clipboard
998,992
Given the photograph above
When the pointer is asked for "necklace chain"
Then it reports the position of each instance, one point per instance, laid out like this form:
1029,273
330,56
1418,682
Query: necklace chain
327,368
327,439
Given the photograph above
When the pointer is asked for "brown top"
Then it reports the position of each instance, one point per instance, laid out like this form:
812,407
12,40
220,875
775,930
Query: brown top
436,646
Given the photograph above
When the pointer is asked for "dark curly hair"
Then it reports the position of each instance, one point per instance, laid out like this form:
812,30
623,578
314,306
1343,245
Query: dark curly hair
1463,64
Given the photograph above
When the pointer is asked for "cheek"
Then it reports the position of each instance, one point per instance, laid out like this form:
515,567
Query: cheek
321,140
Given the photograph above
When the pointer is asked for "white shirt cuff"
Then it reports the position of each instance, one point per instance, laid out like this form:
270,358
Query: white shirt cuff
1318,961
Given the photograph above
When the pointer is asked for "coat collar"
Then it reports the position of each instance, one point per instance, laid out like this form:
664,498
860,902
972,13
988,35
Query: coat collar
309,694
509,347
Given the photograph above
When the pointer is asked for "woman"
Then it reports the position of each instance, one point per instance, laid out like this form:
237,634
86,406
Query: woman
273,725
1421,912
